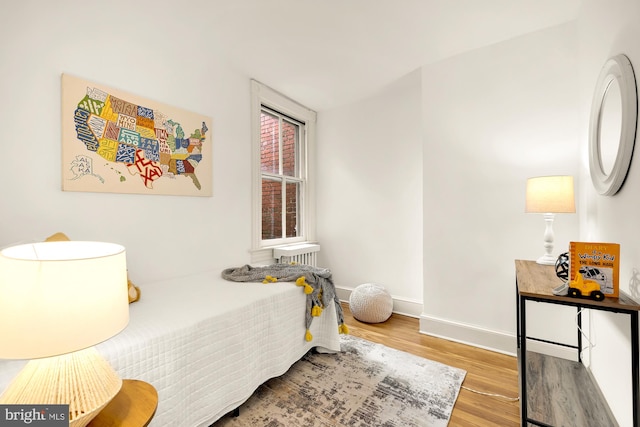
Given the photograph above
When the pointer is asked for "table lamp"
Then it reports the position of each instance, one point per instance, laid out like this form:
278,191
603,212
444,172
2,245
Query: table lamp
549,195
58,300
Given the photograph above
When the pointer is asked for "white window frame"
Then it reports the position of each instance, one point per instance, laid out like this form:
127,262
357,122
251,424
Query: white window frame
262,95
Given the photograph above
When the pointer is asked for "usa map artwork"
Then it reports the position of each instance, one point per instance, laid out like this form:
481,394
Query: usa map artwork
117,142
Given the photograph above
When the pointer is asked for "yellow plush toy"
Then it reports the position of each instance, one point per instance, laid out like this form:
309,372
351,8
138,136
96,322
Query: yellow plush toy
133,290
58,237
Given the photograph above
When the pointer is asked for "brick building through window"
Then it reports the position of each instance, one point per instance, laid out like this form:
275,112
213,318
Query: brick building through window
281,174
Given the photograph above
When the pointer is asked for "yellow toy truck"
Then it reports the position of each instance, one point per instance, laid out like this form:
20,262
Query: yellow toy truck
585,288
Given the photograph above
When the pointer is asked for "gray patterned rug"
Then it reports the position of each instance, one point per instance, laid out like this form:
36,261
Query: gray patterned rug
365,385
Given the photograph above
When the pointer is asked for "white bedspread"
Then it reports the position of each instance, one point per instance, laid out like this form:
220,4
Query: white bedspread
206,344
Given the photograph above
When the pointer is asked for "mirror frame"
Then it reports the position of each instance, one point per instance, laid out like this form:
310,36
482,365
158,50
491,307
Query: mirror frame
617,68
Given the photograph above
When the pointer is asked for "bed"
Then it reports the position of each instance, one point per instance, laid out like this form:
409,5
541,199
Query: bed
206,343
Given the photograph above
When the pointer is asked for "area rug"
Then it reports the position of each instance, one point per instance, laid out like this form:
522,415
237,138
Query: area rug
366,385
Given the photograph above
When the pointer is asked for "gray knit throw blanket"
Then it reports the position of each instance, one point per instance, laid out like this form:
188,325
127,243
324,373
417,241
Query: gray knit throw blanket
316,283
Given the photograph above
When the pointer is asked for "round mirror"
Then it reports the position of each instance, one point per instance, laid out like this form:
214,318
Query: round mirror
612,132
610,126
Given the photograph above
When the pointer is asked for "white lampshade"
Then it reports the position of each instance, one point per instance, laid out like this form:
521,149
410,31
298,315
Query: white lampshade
60,297
550,194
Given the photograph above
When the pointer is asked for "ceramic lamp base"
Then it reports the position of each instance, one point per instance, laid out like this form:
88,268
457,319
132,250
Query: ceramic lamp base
546,259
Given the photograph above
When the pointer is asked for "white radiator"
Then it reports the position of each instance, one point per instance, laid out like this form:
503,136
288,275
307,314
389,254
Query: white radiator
304,253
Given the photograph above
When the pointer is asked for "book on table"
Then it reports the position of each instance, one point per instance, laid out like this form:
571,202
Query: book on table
598,262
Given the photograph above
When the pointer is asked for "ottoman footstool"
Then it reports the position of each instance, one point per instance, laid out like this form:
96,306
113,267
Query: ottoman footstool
371,303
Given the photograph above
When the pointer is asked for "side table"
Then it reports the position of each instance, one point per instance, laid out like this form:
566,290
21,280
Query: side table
133,406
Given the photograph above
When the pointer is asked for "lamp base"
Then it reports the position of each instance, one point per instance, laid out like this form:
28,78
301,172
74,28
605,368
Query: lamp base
546,259
83,380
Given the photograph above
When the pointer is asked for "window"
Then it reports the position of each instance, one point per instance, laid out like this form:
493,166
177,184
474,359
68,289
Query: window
282,180
283,137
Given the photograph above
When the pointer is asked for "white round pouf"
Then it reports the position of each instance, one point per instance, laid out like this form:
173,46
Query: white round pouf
371,303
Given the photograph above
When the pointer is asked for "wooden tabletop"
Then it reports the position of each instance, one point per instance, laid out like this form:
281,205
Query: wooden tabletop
133,406
538,281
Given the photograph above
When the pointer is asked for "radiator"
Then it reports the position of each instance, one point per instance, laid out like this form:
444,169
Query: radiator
304,253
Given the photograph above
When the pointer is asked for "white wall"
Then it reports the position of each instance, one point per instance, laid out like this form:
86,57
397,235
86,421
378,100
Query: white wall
492,118
370,192
481,123
606,29
154,52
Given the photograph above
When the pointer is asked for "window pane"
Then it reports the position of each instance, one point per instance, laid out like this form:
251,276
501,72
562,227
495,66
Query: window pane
271,209
293,190
289,148
269,143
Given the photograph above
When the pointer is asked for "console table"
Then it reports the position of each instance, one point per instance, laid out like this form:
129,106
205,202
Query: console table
535,282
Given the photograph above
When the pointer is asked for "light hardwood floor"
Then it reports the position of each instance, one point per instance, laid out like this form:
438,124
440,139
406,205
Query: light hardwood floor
487,371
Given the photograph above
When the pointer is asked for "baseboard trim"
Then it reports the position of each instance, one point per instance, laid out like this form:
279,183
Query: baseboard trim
487,339
400,305
552,350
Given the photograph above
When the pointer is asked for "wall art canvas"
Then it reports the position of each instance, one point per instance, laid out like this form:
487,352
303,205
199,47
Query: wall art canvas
117,142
